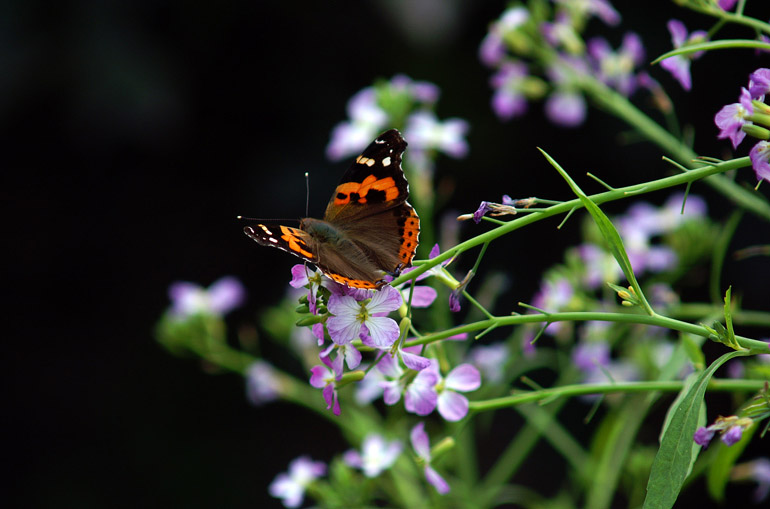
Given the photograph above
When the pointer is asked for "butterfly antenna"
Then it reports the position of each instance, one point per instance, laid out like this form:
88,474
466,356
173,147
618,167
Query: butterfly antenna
307,194
264,220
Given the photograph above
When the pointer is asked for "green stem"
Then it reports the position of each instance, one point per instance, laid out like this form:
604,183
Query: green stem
582,316
599,198
620,106
566,391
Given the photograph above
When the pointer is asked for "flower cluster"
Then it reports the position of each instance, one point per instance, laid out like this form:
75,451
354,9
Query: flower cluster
521,40
404,103
730,428
344,315
750,115
377,455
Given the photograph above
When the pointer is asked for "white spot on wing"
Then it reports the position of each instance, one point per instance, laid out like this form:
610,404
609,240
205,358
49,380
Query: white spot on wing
386,161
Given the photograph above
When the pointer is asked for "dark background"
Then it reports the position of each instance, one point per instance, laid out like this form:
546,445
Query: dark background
132,135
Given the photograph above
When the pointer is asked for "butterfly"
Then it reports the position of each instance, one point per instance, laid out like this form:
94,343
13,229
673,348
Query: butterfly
369,229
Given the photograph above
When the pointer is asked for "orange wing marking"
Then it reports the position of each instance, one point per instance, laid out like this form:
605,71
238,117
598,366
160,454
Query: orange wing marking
295,244
370,183
409,238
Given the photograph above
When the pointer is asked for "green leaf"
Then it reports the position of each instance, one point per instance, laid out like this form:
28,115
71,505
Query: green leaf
675,455
731,341
608,231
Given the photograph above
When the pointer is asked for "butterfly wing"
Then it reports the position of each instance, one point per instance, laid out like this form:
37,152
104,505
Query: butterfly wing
369,205
369,228
374,182
292,240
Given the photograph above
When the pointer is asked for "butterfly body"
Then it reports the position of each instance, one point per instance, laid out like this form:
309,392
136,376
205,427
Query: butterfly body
368,230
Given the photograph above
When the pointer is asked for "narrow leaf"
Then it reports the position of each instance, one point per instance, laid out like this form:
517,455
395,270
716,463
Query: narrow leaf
608,230
675,456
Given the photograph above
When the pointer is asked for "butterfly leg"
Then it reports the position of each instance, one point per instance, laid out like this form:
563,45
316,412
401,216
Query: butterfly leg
397,271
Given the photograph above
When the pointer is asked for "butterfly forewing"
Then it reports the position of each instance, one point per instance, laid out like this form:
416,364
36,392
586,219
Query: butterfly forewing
374,182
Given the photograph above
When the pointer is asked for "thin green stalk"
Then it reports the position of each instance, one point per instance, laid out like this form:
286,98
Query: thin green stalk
568,391
599,198
581,316
624,423
621,107
511,459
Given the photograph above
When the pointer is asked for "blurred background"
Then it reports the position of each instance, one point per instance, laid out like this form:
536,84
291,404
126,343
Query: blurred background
134,132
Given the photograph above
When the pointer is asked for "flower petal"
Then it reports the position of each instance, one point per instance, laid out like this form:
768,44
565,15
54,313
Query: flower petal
422,297
436,480
226,294
420,441
414,361
452,406
382,330
386,300
464,378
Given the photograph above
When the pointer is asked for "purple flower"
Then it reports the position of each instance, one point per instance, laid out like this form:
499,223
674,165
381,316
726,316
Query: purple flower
554,295
420,91
566,108
616,68
589,356
599,8
367,119
730,427
757,470
346,351
495,209
420,396
732,435
352,317
492,49
759,83
370,388
726,5
760,160
703,436
508,100
425,132
393,383
598,266
491,360
421,445
454,296
262,384
463,378
671,216
220,298
290,487
679,65
561,33
325,377
732,117
377,455
302,276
